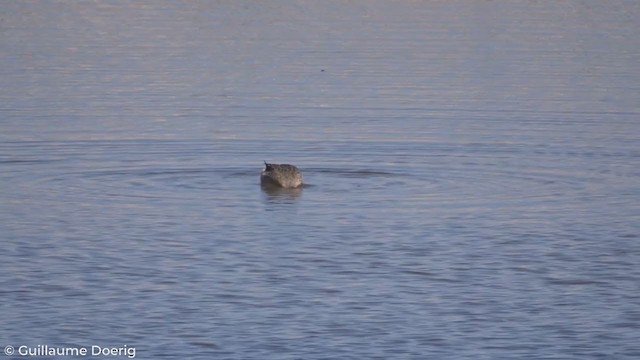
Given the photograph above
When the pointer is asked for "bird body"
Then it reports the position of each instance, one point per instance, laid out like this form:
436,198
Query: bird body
281,175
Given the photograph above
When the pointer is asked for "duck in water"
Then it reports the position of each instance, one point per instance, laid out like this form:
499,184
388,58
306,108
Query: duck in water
281,175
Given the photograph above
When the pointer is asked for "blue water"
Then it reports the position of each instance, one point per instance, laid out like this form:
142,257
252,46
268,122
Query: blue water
472,168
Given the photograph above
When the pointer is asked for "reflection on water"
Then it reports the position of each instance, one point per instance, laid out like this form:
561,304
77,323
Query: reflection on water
473,166
277,193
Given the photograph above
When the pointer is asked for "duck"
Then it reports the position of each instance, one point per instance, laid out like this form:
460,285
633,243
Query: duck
281,175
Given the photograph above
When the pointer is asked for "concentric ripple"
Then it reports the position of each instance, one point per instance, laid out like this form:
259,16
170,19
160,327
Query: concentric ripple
419,175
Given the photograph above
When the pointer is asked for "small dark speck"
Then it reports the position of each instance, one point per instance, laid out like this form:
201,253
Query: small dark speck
321,70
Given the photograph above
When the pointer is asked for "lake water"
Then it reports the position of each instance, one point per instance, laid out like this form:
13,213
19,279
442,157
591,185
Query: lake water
473,175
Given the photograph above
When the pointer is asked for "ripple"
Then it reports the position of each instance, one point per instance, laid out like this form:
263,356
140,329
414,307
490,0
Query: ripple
354,173
159,181
449,176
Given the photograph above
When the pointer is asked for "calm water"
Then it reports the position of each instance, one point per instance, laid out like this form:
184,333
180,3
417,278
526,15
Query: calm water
473,176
